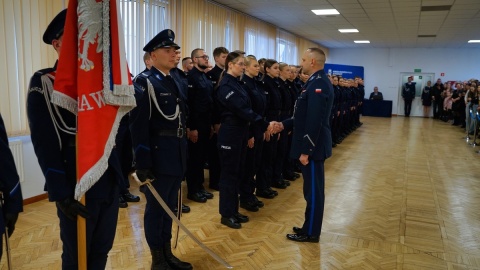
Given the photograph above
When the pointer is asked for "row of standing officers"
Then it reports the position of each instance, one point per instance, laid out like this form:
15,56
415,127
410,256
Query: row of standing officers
258,119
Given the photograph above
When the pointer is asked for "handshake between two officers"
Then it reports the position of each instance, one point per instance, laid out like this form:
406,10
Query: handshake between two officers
273,128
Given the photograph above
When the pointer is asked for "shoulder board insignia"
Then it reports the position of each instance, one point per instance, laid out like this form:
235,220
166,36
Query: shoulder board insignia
145,74
311,78
44,71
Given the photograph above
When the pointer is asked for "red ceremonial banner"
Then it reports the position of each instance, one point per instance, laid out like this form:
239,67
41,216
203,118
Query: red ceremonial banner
93,81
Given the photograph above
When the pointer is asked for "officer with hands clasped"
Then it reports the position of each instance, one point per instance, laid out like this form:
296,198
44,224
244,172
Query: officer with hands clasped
158,135
199,124
408,95
312,141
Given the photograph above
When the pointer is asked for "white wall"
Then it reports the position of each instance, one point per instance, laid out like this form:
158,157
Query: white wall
383,66
33,181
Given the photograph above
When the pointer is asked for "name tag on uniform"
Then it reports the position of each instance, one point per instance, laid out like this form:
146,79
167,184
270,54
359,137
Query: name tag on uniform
229,95
165,94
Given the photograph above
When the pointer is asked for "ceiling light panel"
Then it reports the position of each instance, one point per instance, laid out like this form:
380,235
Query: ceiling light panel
348,30
325,11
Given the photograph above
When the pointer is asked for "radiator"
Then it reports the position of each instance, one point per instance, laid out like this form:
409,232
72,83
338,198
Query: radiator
17,150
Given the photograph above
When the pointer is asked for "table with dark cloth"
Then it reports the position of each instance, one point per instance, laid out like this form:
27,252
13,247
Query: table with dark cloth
379,108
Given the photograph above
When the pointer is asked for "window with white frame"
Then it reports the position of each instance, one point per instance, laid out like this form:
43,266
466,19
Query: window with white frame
142,20
286,47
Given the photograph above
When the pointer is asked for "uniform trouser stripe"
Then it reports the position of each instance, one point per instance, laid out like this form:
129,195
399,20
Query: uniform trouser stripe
312,209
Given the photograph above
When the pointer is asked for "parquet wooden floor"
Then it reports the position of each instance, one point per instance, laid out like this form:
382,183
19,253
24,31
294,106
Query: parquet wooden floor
401,193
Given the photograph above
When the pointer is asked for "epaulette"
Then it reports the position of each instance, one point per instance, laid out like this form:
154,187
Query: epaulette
37,81
145,74
44,71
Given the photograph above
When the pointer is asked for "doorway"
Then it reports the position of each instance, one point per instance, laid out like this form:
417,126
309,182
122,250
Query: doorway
421,80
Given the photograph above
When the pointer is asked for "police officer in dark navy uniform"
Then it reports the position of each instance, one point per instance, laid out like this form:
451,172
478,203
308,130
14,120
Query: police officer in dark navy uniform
199,123
181,77
236,115
178,74
123,146
312,141
285,113
256,136
408,95
159,139
9,186
53,132
219,55
274,104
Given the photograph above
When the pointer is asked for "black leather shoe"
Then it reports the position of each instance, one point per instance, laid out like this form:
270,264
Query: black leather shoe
197,197
286,182
249,206
303,238
278,184
185,209
173,261
129,197
260,204
297,230
274,192
231,222
122,203
297,175
265,194
158,260
240,218
206,194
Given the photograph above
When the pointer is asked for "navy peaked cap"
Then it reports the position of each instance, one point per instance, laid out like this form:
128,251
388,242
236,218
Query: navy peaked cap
55,28
164,39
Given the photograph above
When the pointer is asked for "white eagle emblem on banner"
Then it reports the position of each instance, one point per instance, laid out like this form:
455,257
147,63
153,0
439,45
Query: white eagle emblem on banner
89,30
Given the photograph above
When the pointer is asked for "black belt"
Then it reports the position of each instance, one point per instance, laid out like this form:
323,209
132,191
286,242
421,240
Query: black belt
179,133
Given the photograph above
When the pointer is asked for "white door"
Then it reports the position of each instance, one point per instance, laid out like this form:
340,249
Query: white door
421,80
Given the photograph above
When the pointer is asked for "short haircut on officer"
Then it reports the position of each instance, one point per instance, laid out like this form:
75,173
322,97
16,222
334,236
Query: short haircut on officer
146,56
219,50
317,54
195,53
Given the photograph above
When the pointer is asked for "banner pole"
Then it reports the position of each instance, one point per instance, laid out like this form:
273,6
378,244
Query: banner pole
81,226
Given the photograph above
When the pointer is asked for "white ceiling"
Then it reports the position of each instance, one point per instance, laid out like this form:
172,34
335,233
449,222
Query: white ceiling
386,23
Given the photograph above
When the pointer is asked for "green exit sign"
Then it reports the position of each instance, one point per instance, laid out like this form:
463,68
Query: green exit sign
417,70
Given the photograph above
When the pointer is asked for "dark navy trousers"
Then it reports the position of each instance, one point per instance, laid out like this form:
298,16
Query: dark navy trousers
157,223
196,160
252,164
101,226
314,193
232,148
